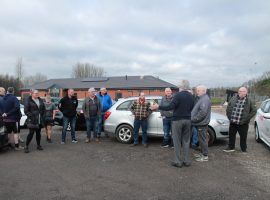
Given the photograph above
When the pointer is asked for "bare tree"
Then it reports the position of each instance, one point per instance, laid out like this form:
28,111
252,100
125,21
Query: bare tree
31,80
19,72
86,70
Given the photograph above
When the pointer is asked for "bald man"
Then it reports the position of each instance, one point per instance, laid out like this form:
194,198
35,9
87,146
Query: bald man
239,111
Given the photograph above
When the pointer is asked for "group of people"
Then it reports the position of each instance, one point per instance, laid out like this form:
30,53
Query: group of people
181,112
186,115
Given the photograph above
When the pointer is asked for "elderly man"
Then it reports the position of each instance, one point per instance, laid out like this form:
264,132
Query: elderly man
239,111
181,104
200,118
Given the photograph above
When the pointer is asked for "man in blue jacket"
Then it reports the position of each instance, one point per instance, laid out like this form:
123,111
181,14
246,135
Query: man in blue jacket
106,103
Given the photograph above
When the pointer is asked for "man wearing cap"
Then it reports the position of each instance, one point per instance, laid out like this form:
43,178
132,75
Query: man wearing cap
91,109
106,103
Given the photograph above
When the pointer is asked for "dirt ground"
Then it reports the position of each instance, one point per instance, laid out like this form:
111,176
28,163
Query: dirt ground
110,170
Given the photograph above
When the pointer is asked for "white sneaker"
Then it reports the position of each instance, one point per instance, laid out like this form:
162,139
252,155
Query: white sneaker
74,141
197,155
202,158
19,148
62,142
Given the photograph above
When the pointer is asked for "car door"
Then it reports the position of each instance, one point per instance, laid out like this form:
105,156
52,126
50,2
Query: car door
265,122
152,120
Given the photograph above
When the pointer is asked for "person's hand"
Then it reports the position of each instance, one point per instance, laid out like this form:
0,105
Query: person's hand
154,106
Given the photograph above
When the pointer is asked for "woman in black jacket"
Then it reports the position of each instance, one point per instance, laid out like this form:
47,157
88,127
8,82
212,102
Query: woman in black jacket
34,109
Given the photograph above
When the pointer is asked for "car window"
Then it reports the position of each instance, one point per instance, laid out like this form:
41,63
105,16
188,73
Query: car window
266,108
125,105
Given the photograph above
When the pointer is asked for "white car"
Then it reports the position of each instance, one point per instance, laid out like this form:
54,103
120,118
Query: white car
119,121
24,117
262,123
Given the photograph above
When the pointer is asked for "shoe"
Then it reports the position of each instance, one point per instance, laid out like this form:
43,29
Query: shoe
145,145
133,145
244,151
164,145
229,149
39,148
197,155
49,140
202,158
26,150
187,164
87,140
19,148
174,164
62,142
74,141
21,140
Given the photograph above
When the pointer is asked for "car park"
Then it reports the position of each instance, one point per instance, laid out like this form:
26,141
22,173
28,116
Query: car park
119,122
262,123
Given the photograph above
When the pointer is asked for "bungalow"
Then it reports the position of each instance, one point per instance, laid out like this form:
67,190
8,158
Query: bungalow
118,86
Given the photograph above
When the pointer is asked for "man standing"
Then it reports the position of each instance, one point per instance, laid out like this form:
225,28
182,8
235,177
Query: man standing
68,105
167,118
11,113
239,111
106,103
200,118
91,109
181,104
141,111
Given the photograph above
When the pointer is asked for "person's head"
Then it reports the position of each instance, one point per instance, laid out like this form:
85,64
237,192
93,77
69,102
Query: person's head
10,90
91,92
242,92
184,85
142,97
103,91
70,92
35,94
2,91
48,99
201,90
168,92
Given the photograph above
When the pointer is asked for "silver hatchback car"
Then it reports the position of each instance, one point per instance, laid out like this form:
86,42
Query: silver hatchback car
119,121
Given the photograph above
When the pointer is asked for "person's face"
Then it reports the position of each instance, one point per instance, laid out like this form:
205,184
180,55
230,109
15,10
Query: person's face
199,91
168,92
35,95
70,93
103,91
242,92
91,93
142,96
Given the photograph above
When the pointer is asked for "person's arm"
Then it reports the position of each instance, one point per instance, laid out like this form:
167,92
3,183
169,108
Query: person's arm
202,112
170,106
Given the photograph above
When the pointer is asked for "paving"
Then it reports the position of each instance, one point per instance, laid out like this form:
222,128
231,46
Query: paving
110,170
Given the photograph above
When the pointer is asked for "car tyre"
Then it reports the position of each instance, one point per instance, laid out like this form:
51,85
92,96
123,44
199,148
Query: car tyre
124,134
257,134
211,136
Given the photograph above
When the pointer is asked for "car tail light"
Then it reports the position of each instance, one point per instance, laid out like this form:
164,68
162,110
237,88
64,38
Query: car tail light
107,115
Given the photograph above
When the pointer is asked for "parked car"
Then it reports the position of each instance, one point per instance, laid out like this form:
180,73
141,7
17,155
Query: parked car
24,117
262,123
80,122
119,121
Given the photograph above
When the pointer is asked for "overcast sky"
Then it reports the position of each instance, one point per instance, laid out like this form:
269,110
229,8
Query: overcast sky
211,42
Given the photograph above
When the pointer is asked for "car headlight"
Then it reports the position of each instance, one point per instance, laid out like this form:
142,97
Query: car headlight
223,121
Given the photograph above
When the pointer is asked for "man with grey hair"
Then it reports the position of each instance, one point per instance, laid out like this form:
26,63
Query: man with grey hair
181,104
200,117
239,111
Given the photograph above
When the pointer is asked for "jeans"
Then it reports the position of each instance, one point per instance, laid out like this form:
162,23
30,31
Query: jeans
202,133
194,136
100,124
167,128
91,125
72,121
243,131
137,124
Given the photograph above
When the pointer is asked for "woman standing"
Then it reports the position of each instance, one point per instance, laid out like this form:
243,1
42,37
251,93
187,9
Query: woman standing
34,109
50,110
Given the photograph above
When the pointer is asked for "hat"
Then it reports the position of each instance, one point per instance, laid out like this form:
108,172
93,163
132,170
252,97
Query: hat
92,89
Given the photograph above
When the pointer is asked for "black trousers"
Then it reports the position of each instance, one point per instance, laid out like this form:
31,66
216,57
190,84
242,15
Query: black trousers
243,131
31,134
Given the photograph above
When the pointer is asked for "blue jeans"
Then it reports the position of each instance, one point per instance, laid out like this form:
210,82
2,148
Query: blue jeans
137,124
72,121
91,124
167,128
100,124
194,136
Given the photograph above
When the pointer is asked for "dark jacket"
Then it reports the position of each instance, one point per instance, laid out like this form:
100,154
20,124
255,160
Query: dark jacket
248,112
181,104
87,104
164,102
11,106
34,113
105,101
68,106
201,113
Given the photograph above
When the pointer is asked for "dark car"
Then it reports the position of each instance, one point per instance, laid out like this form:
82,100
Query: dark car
80,122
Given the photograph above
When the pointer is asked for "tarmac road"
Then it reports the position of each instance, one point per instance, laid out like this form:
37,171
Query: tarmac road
110,170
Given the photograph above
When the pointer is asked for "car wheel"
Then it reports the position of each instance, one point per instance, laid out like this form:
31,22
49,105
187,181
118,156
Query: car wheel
68,127
211,136
124,134
257,135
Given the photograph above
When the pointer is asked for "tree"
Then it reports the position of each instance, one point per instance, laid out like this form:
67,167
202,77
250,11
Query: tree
86,70
33,79
19,72
10,81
